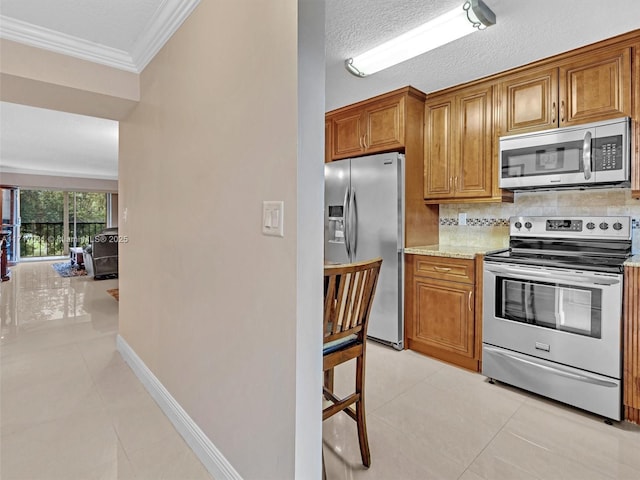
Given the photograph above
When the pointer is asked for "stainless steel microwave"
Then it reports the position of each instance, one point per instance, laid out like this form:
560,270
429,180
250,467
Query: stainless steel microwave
589,155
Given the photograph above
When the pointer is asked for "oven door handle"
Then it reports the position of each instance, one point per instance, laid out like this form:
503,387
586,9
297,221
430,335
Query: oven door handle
555,370
595,280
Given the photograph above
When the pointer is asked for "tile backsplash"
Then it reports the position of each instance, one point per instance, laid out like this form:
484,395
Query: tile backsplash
488,224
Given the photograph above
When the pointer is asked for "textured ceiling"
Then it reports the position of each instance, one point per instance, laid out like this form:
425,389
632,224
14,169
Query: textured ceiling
525,31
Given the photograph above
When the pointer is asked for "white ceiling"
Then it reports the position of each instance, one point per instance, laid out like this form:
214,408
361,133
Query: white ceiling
46,142
113,23
127,33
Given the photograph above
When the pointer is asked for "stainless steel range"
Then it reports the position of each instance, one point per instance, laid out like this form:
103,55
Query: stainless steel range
553,310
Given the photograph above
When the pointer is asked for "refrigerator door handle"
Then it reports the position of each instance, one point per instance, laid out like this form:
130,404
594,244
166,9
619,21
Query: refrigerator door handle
354,206
345,213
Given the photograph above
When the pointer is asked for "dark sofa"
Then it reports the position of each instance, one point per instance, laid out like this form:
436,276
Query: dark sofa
101,257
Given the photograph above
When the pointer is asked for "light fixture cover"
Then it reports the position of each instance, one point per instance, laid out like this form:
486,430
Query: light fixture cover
471,16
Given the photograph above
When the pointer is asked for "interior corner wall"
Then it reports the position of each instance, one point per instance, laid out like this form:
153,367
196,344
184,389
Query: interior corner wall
311,101
207,301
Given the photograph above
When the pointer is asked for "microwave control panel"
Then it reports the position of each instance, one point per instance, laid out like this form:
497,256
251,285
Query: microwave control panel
608,153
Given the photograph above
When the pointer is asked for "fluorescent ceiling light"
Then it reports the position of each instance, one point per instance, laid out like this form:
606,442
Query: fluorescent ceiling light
471,16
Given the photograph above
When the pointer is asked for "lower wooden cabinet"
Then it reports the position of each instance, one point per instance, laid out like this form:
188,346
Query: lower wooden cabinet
440,309
631,361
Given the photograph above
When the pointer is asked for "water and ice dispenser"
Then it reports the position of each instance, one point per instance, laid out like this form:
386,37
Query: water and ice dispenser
336,224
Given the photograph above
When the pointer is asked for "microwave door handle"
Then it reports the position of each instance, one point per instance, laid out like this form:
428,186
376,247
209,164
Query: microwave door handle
586,155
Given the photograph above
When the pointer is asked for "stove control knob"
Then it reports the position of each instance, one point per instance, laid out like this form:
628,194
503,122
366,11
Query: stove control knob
528,225
591,225
518,225
604,226
617,226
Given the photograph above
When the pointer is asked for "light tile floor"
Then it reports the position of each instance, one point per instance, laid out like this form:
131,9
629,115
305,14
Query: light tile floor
70,407
429,420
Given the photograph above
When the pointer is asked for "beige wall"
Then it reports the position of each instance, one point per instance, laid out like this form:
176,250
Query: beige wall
207,301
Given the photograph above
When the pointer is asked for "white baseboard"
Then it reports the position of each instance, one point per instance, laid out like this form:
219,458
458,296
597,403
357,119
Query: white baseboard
213,460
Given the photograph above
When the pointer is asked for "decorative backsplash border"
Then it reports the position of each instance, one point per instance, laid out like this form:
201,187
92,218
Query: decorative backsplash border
476,222
499,222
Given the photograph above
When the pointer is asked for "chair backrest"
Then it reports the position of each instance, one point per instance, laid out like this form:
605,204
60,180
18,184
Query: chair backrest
349,292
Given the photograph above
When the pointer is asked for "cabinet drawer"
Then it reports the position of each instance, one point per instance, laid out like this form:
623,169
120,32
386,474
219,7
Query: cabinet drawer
444,268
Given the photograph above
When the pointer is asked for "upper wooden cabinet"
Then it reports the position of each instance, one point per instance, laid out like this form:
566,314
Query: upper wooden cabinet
373,126
586,88
459,164
327,140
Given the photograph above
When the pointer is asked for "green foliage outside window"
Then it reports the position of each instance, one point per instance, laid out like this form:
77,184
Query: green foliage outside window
42,220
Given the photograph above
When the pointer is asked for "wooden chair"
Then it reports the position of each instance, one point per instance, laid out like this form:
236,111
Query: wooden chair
349,292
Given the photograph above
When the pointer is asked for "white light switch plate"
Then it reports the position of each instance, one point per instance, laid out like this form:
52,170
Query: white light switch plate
462,218
273,218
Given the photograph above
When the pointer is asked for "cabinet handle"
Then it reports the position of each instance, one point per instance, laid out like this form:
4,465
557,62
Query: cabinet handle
469,302
553,112
441,269
364,140
455,182
450,183
562,111
361,142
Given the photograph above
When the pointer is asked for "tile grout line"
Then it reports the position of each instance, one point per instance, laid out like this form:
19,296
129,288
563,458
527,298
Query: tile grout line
490,441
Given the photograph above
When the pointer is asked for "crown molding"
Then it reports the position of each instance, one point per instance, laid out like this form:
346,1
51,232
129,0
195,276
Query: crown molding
167,19
165,22
46,39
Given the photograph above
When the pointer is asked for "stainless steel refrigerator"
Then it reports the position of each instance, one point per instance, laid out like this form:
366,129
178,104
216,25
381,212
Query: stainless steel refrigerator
364,214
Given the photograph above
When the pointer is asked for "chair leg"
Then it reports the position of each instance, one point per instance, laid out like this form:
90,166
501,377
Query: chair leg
328,379
360,414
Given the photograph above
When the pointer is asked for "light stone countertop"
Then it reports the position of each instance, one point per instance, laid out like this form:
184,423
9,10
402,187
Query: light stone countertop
451,251
455,251
633,261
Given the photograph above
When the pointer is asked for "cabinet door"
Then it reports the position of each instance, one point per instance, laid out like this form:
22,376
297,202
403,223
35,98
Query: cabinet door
347,135
438,159
473,172
529,102
443,315
596,87
384,126
631,359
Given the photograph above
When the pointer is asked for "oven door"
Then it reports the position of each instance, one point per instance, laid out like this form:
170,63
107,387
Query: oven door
572,317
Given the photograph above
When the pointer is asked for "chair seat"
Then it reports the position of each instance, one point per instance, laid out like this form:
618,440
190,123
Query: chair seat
336,345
